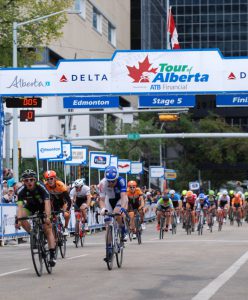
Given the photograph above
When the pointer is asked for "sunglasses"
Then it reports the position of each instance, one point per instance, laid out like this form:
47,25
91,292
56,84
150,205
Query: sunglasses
50,179
29,180
132,187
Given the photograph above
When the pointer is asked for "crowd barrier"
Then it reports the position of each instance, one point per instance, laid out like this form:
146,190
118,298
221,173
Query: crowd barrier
95,221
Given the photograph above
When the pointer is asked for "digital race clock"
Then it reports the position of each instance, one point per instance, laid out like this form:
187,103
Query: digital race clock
23,102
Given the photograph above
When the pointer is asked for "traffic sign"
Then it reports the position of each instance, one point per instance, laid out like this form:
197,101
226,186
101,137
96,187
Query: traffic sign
133,136
170,174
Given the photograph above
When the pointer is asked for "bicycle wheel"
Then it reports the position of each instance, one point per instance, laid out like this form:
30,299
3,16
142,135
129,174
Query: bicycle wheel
189,223
220,220
45,252
109,247
76,233
174,224
36,252
138,229
62,244
55,234
161,231
82,235
119,249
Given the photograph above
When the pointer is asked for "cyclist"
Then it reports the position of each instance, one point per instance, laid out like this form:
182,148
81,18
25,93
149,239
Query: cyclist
164,205
59,195
81,199
135,201
33,197
202,203
190,198
213,202
223,203
231,194
246,206
237,204
113,196
177,204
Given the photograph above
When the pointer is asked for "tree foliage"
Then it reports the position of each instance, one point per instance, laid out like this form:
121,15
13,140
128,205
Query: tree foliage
30,36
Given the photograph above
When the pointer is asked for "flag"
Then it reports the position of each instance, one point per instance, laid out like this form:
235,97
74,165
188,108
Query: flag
171,28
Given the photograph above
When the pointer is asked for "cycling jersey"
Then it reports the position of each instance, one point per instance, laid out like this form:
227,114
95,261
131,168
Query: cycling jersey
112,195
164,205
237,201
174,198
80,195
59,195
134,199
33,200
202,204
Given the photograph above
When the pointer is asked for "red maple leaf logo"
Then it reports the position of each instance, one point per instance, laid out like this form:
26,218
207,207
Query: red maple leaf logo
142,73
123,166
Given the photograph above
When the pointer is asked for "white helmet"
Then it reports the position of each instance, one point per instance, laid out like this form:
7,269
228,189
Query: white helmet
225,193
172,192
79,183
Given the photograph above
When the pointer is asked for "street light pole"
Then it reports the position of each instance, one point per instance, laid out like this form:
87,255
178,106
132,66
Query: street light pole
15,65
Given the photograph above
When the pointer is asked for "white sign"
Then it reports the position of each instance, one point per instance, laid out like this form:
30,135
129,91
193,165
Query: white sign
49,149
136,168
79,156
124,166
66,152
114,161
156,172
133,72
194,185
99,160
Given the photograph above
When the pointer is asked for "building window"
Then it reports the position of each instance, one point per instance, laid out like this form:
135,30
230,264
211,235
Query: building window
97,20
111,34
80,5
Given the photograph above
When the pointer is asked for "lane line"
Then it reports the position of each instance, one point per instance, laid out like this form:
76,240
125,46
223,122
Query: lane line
195,241
73,257
16,271
207,292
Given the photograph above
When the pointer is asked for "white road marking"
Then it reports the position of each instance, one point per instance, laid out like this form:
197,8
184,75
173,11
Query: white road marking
73,257
16,271
207,292
156,240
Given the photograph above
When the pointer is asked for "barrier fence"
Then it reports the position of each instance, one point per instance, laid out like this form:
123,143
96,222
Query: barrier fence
95,221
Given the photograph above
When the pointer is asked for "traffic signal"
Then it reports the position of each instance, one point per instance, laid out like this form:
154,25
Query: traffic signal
169,117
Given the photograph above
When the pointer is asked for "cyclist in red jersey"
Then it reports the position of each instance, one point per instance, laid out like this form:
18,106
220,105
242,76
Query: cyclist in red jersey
190,203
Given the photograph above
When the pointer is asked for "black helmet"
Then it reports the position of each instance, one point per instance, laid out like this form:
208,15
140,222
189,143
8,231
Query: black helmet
29,173
165,197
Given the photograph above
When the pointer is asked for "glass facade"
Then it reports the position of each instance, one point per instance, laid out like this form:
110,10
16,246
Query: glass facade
201,24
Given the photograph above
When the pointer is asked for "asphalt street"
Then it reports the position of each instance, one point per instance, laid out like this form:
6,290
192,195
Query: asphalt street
211,266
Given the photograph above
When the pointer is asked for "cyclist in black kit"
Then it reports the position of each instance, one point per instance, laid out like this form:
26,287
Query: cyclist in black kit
33,197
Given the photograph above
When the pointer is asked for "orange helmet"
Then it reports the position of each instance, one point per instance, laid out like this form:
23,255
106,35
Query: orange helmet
189,194
237,196
49,174
132,183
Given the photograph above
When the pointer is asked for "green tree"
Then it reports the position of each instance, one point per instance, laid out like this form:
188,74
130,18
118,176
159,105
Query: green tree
31,36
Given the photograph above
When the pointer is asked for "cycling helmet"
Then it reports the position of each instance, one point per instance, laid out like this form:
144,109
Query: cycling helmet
184,192
165,197
49,174
132,183
111,173
211,193
237,196
79,183
189,194
172,192
225,193
201,196
29,174
246,195
148,194
231,192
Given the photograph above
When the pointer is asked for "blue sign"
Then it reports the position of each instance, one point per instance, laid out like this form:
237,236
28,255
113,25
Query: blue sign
91,102
167,101
232,100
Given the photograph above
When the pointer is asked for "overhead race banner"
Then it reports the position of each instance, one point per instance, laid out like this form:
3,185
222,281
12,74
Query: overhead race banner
167,101
136,168
156,172
66,152
232,100
124,166
79,156
132,72
91,102
99,160
49,149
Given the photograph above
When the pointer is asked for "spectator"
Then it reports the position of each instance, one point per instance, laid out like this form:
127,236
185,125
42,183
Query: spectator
10,197
5,187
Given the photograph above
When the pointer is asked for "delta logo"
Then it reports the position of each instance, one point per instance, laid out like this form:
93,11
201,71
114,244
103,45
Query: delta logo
100,160
145,73
232,76
84,77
